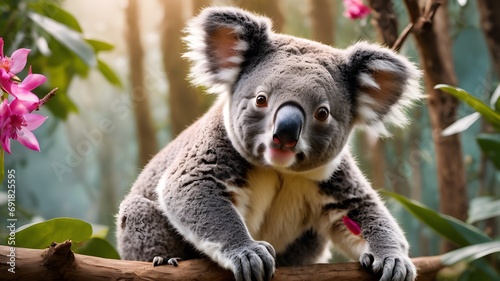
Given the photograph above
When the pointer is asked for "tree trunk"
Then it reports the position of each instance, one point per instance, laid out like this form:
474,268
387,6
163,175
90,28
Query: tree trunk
434,45
58,262
490,23
267,8
143,121
380,174
182,99
323,21
385,21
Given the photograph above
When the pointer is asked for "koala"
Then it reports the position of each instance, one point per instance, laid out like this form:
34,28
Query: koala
265,177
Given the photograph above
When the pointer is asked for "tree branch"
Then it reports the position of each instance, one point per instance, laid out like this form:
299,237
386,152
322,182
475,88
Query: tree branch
402,37
416,18
59,263
47,97
425,21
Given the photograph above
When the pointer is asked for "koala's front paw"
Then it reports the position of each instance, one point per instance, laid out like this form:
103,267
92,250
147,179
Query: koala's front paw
393,267
255,261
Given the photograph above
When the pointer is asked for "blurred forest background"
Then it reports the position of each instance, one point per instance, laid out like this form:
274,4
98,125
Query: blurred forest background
103,128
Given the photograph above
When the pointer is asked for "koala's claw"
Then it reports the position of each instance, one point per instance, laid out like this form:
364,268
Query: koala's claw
171,261
174,261
392,268
157,261
256,262
366,260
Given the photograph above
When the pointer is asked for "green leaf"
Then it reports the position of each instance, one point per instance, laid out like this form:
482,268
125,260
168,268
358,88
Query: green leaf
461,124
60,54
482,208
470,253
99,45
482,270
495,99
450,228
41,235
477,270
43,46
67,37
490,145
56,13
108,73
78,67
489,114
100,231
98,247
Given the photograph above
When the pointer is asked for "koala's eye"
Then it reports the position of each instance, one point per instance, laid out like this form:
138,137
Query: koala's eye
321,114
261,100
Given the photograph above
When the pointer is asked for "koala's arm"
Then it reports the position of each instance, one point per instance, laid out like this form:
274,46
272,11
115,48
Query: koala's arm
381,246
194,198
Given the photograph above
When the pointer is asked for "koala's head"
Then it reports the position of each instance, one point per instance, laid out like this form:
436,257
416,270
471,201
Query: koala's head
291,103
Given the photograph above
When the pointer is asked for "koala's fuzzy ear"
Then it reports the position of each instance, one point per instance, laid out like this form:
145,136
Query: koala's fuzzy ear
220,41
384,85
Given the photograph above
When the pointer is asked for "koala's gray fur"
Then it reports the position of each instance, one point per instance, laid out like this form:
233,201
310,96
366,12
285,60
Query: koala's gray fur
265,177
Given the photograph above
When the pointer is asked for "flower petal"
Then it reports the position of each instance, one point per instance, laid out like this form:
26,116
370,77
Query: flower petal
6,143
4,112
31,105
18,107
24,95
34,121
32,81
4,74
355,9
5,81
28,139
19,58
4,106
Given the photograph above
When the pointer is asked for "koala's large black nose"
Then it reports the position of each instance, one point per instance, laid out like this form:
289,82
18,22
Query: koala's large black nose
287,126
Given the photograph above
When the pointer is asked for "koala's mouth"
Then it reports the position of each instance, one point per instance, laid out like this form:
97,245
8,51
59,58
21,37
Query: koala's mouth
283,158
280,157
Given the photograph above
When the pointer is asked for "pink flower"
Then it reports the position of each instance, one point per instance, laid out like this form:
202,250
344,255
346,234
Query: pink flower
351,225
355,9
17,122
9,67
23,90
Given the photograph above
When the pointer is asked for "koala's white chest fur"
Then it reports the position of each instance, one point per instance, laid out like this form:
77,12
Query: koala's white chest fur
278,207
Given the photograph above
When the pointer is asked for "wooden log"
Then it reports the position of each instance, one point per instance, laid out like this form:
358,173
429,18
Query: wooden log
58,262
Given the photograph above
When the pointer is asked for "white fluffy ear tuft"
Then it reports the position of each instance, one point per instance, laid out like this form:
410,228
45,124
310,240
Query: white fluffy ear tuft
220,42
385,85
